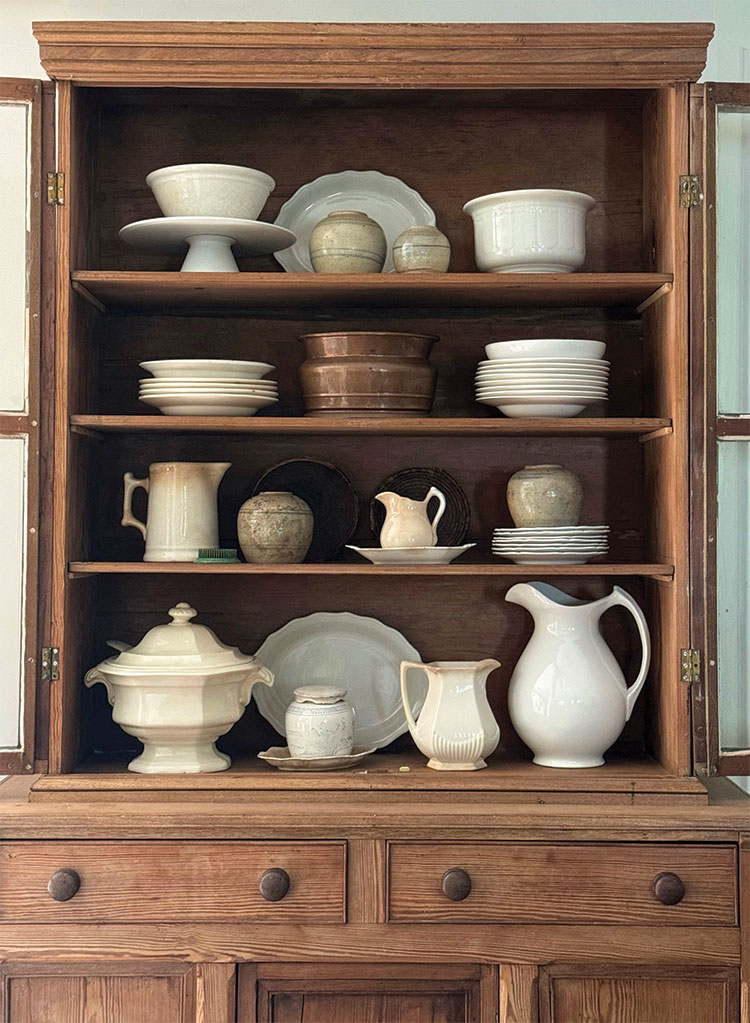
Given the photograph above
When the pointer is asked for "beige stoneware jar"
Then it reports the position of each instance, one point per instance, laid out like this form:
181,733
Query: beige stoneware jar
544,495
422,249
347,242
275,528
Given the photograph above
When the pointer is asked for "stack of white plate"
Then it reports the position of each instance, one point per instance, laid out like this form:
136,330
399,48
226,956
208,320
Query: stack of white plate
208,387
551,545
543,377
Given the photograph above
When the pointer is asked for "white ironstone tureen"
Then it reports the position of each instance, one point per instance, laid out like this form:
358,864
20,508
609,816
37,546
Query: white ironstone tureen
177,691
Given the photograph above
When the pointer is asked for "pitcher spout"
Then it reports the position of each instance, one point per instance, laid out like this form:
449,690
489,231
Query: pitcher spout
539,595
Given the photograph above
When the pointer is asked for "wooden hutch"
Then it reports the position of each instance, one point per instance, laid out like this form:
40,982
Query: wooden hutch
564,921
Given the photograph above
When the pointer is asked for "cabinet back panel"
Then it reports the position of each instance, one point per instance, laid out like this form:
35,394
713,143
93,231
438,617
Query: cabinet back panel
445,619
450,146
121,342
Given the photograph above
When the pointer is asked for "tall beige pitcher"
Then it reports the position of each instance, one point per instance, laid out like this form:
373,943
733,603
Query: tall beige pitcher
182,508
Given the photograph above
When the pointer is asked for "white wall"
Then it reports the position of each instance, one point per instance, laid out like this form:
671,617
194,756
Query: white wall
728,57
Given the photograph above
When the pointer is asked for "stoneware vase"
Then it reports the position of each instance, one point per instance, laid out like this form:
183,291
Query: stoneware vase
568,699
456,728
347,242
544,495
422,249
275,528
182,508
319,723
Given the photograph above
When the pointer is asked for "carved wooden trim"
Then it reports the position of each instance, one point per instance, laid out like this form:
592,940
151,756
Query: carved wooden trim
276,54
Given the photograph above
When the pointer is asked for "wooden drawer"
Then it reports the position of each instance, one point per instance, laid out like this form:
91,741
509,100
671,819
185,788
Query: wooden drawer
566,883
134,882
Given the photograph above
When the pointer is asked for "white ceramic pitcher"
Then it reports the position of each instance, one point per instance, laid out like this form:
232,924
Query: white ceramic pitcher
407,523
456,728
182,508
568,699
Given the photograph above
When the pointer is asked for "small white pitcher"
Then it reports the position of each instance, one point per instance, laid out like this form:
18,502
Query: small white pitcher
407,523
456,727
182,508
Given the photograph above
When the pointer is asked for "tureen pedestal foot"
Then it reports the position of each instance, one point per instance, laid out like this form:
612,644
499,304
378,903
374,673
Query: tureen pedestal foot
158,758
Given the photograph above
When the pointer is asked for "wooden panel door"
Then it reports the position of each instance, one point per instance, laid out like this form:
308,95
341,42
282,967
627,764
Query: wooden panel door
117,992
371,993
635,994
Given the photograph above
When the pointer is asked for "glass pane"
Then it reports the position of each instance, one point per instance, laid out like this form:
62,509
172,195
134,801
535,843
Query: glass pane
15,121
733,260
733,607
12,576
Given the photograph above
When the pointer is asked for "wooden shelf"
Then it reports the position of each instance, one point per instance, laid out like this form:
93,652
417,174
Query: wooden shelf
628,779
336,425
78,568
160,292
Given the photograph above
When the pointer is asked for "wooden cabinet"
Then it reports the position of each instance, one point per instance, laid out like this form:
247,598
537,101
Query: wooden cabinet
148,992
608,994
368,993
611,893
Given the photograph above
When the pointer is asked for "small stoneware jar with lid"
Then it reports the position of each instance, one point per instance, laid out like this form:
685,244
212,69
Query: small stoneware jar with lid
544,496
421,249
319,723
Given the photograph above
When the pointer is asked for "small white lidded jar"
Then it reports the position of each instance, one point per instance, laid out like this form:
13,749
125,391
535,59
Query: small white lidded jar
319,723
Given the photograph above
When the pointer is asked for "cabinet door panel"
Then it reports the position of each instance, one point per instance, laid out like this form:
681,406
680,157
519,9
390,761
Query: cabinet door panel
611,994
117,993
370,993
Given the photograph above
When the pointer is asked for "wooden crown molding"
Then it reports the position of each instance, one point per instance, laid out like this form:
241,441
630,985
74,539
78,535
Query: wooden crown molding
286,54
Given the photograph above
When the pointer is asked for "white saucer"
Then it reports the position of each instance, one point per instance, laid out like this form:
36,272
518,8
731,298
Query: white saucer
411,555
210,240
279,756
388,200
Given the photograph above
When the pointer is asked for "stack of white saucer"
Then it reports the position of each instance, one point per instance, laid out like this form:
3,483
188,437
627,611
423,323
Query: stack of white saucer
551,545
208,387
543,377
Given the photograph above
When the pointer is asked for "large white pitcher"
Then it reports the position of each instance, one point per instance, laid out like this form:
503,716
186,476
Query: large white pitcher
182,508
568,699
407,523
456,728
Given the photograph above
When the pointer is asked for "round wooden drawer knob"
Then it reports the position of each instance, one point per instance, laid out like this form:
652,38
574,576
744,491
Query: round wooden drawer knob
668,888
63,884
456,884
274,884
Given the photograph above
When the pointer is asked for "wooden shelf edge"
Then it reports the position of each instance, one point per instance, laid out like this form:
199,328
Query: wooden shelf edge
83,568
147,291
469,427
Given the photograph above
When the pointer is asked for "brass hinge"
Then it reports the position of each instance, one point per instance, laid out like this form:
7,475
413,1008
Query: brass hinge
56,188
690,666
690,191
50,664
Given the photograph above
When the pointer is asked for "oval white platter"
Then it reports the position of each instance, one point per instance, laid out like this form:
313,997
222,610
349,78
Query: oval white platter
388,200
411,555
361,655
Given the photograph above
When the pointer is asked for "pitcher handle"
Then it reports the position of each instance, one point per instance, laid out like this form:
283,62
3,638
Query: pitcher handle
128,519
405,665
620,596
434,492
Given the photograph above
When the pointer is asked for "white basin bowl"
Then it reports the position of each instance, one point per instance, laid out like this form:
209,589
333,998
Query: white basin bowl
534,230
210,190
545,348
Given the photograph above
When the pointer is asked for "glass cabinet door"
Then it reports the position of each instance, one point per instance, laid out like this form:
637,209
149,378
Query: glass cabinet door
720,395
20,259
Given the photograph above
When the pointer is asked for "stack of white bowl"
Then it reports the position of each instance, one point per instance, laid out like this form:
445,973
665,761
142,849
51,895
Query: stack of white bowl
543,377
208,387
551,545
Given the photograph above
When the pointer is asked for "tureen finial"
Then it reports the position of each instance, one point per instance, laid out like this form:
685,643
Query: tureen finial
182,613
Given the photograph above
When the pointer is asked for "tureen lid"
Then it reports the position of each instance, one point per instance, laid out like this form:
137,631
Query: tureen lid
180,646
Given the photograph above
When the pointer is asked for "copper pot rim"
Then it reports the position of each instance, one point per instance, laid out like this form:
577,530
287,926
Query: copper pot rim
369,333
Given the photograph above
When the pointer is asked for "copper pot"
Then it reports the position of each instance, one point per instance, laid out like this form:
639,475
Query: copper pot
368,373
